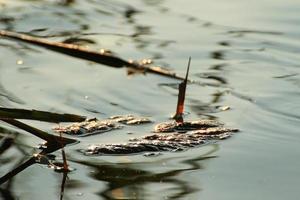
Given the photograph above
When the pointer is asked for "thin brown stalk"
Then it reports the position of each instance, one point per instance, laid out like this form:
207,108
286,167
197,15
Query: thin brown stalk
63,182
65,163
181,96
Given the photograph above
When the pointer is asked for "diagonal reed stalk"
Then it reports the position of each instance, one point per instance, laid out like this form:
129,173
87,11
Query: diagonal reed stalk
17,170
52,140
83,53
13,113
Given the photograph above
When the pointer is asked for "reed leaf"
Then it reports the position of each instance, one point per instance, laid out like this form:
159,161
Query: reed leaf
13,113
51,139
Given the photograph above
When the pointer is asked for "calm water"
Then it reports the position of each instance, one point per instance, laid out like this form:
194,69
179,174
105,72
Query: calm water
247,51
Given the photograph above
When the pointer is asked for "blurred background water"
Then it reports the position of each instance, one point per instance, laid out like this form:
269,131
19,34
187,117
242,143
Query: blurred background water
246,51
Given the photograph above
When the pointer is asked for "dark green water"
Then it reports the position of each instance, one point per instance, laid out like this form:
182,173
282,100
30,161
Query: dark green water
251,48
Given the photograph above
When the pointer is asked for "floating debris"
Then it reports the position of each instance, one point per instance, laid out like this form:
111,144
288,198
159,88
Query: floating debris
95,126
152,154
162,142
88,127
223,108
51,163
59,167
185,126
130,119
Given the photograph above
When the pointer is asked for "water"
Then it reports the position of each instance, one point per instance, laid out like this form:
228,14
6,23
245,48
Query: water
248,49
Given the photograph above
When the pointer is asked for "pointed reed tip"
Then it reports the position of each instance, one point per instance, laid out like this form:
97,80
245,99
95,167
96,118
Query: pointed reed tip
188,68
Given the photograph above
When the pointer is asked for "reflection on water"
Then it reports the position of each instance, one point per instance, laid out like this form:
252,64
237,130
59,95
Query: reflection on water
129,182
7,141
219,55
63,182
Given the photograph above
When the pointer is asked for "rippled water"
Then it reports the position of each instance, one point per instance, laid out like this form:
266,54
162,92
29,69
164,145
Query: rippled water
247,51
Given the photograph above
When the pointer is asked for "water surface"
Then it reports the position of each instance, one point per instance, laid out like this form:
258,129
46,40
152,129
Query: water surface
248,53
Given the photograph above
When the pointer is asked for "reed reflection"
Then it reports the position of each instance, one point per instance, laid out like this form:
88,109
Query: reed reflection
130,181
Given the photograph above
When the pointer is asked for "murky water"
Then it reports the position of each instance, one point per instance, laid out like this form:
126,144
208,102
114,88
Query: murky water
248,52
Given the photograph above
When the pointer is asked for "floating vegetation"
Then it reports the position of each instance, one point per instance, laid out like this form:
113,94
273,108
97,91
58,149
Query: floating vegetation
88,127
159,142
186,126
95,126
130,119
